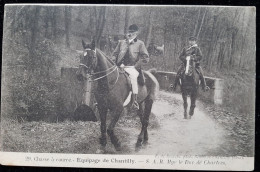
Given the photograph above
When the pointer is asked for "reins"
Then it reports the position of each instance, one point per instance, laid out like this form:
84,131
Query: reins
81,64
114,67
104,75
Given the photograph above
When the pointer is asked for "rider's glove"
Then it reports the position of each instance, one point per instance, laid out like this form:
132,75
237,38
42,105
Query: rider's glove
138,65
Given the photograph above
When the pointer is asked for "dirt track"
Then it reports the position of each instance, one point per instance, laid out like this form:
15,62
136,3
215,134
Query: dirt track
168,132
177,136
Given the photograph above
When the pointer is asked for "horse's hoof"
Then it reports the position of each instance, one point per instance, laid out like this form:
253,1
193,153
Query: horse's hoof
118,148
185,117
102,141
137,148
100,151
145,142
138,145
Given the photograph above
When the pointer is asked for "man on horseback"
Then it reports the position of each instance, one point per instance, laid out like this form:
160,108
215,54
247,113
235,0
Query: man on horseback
130,54
194,52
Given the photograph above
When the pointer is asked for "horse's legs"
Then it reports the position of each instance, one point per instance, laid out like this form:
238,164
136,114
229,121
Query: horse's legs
193,98
140,113
147,112
103,116
110,131
185,103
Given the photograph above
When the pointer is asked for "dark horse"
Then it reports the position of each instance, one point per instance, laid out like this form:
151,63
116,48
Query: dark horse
111,90
189,82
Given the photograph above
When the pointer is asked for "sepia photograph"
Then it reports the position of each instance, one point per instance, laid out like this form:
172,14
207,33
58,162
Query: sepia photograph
128,86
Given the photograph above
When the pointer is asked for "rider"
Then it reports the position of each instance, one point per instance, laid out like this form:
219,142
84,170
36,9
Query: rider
131,53
194,52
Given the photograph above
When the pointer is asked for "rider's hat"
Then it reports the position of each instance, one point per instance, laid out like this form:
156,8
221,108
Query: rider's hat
133,28
192,38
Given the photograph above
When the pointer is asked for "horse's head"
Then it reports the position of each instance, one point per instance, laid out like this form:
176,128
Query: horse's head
190,66
88,61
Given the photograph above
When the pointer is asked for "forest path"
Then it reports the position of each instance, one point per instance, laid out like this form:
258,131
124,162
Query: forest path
175,135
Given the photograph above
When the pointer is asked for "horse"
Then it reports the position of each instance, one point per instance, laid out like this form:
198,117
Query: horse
189,82
111,90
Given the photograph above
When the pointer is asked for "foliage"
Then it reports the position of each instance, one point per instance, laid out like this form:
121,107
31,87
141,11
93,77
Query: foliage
41,39
34,87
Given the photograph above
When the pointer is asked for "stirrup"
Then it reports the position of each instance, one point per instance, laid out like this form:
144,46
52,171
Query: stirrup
135,105
206,88
174,87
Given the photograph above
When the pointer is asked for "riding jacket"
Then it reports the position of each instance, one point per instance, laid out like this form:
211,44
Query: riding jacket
133,54
193,51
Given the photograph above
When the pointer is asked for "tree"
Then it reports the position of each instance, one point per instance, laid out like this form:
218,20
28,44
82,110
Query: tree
150,28
127,17
100,24
34,30
54,23
67,18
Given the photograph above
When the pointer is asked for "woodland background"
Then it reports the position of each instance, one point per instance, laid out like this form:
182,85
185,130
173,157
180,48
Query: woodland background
39,40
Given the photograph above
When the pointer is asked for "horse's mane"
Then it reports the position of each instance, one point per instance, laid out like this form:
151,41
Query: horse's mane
105,56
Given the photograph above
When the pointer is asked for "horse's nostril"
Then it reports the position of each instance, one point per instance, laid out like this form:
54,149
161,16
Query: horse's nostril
80,77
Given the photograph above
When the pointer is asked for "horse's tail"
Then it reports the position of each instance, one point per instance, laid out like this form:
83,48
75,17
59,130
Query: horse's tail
154,84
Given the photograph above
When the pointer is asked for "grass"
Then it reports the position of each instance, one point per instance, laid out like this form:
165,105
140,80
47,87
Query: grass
65,137
237,114
69,137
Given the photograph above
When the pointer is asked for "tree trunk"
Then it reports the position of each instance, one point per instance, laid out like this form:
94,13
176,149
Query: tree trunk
233,33
197,24
164,36
220,54
244,35
67,24
201,23
210,51
34,29
54,24
127,17
79,16
46,21
100,25
150,28
92,25
233,37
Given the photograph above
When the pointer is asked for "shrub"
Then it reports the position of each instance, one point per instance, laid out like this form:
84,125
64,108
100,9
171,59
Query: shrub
33,85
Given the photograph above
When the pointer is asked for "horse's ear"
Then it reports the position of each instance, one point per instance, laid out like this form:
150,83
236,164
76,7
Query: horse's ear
93,44
84,44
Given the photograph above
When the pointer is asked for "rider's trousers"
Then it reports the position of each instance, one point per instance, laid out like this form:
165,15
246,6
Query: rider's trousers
133,74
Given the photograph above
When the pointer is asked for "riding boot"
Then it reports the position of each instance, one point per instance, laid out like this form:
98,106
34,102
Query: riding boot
177,78
203,83
135,104
202,79
174,86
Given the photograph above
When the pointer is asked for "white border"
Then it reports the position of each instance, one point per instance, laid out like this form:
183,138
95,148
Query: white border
128,161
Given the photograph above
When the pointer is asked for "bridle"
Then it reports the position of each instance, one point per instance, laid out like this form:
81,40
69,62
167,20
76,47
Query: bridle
109,70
